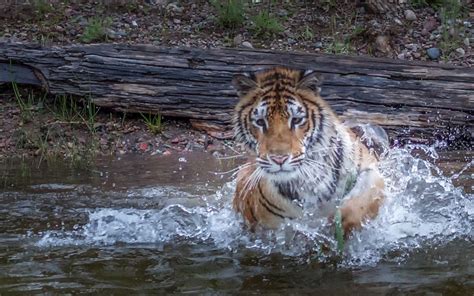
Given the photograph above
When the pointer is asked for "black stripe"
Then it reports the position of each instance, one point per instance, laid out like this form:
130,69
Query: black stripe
268,202
319,131
336,171
287,191
281,83
266,206
252,213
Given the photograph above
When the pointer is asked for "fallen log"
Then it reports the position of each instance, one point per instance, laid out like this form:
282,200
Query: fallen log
414,101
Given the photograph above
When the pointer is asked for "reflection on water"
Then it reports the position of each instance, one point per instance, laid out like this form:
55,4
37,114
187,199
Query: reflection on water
164,224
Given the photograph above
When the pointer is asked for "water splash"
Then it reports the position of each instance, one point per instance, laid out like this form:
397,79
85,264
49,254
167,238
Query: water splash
422,208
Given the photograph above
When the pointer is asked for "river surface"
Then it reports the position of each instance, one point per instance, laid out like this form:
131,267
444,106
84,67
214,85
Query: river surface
164,224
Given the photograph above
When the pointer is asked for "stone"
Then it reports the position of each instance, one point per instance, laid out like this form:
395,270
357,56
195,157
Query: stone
282,13
318,44
429,25
452,32
433,53
466,41
398,21
134,23
416,55
382,43
247,44
461,51
174,7
237,41
410,15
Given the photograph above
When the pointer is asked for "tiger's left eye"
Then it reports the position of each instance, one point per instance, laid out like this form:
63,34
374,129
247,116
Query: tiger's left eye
260,122
296,120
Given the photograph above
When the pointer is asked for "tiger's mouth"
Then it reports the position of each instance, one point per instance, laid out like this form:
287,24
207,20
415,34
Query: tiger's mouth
281,167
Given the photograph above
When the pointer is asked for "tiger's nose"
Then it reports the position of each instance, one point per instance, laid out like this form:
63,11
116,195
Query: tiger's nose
279,159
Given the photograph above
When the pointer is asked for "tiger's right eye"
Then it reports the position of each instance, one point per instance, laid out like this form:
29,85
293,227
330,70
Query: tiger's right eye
260,122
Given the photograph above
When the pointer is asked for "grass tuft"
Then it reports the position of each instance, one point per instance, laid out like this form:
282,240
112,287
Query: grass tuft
27,105
450,11
266,24
42,7
96,30
153,122
307,34
230,13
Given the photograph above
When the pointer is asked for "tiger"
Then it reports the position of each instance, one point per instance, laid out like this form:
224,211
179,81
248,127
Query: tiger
304,157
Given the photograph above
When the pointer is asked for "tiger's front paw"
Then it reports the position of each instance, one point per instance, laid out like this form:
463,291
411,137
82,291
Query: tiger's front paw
351,218
356,211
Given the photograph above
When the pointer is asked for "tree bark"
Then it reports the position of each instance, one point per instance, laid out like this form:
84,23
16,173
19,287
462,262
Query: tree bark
413,101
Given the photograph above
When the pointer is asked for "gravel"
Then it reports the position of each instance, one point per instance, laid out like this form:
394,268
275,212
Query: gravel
315,28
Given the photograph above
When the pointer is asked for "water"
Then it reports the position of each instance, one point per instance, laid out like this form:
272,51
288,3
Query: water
165,225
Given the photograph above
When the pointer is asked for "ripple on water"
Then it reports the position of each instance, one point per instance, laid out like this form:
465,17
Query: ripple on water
422,209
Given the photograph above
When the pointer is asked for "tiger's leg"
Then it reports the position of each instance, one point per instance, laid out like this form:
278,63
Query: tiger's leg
258,204
244,197
363,201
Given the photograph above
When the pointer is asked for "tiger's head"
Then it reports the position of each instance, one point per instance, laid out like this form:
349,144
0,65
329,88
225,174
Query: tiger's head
279,116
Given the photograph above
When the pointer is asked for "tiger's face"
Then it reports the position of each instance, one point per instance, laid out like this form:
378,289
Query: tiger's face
279,117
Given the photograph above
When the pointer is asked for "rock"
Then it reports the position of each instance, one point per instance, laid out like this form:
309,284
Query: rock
237,41
401,56
177,21
461,51
247,44
410,15
416,55
134,23
433,53
398,21
156,2
466,41
174,7
429,25
282,13
382,44
452,32
291,41
318,44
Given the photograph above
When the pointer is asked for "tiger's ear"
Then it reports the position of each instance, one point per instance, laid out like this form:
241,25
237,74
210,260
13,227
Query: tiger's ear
310,80
243,83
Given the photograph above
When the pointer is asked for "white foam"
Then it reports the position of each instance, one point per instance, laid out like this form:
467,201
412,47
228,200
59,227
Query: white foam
422,208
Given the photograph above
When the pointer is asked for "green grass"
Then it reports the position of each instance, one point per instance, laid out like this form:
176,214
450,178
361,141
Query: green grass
29,104
42,7
450,10
89,115
266,24
230,13
339,232
65,108
307,33
339,47
153,122
96,30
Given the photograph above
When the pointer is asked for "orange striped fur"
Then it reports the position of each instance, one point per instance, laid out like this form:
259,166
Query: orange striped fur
304,155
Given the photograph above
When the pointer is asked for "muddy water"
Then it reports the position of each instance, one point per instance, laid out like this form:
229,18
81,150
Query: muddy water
164,225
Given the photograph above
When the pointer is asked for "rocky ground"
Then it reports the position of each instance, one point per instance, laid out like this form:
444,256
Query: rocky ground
413,31
56,127
441,32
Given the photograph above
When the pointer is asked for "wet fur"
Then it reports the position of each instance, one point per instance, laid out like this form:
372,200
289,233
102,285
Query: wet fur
280,114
